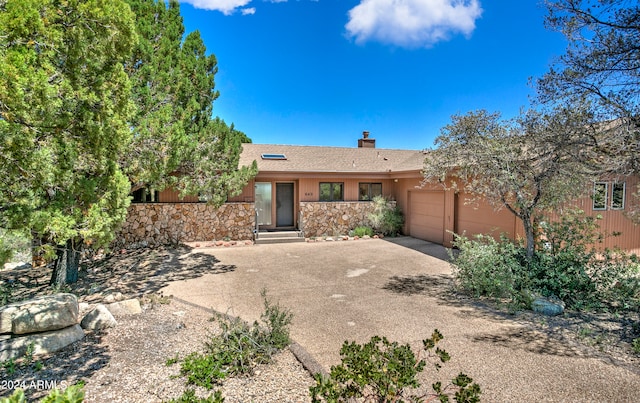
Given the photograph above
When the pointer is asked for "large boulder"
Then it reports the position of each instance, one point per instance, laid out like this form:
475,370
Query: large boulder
40,314
43,343
98,318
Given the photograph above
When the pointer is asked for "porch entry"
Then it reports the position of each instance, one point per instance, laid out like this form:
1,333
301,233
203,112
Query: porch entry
284,206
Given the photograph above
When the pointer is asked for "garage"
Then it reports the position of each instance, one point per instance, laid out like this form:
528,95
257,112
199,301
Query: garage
426,215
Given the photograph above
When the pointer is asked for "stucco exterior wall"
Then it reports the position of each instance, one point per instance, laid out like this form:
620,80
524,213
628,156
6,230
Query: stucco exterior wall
164,223
334,218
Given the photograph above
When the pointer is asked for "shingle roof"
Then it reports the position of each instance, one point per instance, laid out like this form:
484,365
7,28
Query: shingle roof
331,159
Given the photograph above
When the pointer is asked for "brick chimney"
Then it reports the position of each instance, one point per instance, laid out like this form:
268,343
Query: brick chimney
365,141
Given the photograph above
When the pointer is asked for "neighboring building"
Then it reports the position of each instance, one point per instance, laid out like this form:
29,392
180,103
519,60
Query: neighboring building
327,191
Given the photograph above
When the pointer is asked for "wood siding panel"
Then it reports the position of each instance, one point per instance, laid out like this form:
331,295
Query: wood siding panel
173,196
247,195
613,221
479,217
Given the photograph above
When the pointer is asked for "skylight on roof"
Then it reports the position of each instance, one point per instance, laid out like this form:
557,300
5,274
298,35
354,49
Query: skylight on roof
274,157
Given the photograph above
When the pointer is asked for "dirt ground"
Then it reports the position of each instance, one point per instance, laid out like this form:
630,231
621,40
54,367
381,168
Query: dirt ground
128,363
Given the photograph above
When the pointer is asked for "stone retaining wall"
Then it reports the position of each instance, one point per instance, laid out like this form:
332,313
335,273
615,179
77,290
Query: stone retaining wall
334,218
165,223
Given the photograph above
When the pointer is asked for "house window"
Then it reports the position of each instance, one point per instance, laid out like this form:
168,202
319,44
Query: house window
144,195
617,196
600,191
369,190
333,191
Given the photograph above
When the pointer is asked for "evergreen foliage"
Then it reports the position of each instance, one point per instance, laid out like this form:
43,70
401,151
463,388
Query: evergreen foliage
176,142
64,111
93,106
385,371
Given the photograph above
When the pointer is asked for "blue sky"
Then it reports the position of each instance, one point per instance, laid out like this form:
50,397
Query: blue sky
319,72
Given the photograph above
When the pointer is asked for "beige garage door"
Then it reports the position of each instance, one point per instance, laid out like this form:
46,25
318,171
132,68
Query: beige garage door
426,216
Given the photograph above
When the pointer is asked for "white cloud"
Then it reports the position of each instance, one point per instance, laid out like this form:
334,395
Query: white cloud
226,7
412,23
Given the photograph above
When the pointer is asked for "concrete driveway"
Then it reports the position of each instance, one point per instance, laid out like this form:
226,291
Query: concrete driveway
398,288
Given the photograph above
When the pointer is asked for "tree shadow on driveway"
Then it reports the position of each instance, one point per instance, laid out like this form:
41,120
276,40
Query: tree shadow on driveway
133,273
146,271
419,245
436,285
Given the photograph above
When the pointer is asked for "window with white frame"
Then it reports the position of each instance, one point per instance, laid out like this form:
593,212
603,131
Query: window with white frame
617,196
609,195
600,191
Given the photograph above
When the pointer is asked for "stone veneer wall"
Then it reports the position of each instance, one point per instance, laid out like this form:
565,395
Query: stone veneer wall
334,218
164,223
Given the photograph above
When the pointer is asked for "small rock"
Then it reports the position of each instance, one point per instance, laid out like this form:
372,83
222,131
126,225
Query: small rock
114,297
547,306
126,307
99,318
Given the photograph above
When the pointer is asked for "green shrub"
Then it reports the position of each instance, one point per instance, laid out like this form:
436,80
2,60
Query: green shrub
189,396
386,219
72,394
485,267
565,265
636,345
239,347
362,231
384,371
16,397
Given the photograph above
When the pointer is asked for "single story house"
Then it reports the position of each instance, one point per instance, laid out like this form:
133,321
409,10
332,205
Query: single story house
328,191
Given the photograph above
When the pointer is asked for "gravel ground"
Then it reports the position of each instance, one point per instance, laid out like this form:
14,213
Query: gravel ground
129,362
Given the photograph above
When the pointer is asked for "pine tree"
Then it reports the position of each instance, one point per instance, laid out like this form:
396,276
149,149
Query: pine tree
176,143
64,112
